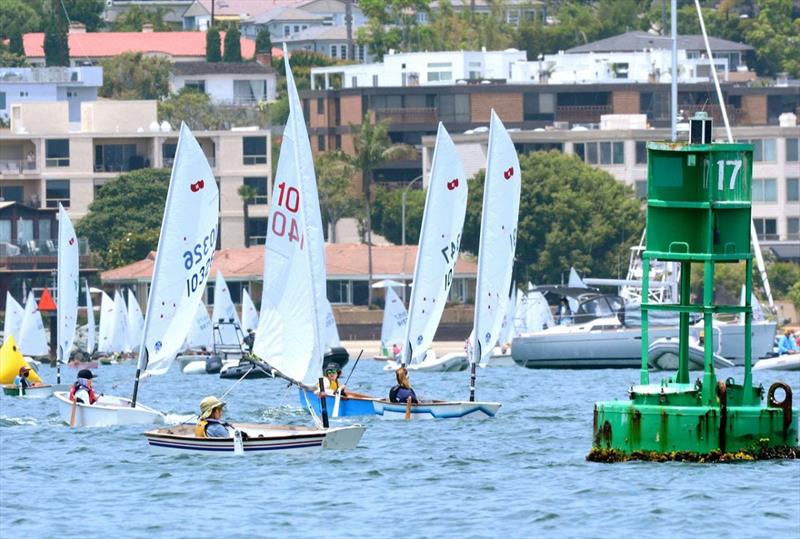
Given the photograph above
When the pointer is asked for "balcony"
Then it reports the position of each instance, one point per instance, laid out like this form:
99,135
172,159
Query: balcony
422,115
17,166
715,111
582,113
37,254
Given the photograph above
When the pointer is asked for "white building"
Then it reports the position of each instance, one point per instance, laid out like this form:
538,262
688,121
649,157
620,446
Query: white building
226,82
71,84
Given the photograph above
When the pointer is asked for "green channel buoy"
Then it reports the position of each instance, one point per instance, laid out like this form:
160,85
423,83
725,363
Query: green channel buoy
698,211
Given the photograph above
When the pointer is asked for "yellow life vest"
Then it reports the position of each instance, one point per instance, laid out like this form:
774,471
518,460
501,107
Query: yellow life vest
200,428
333,385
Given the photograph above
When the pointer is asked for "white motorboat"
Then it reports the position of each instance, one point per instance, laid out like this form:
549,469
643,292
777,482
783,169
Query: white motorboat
784,362
108,411
663,355
453,361
251,438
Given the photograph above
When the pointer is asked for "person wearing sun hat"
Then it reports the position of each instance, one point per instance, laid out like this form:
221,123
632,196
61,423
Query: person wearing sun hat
210,424
82,390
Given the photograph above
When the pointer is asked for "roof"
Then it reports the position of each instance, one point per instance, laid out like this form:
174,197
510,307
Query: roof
318,33
637,41
342,261
287,14
241,8
105,44
221,68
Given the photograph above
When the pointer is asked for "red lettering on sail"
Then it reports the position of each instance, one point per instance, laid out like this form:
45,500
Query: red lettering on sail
508,173
199,184
71,241
452,184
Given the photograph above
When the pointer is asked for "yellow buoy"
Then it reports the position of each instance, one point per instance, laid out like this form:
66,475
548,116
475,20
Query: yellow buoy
10,362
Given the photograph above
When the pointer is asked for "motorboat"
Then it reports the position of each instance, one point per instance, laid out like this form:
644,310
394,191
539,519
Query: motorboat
663,355
784,362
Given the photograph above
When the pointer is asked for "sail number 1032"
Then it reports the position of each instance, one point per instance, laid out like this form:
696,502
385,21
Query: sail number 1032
197,261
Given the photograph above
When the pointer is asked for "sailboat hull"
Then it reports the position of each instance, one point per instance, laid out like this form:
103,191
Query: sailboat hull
106,412
436,410
261,438
452,362
37,392
348,406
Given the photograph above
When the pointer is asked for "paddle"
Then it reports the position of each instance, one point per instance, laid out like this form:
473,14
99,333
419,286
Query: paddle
72,416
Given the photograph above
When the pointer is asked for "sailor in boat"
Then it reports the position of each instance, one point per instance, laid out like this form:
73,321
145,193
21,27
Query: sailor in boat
331,380
82,390
402,392
21,380
787,344
396,351
564,313
210,424
250,339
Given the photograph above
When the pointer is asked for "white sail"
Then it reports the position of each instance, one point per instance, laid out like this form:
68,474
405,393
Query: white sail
90,329
575,281
135,322
507,327
32,340
106,324
119,326
395,316
68,287
498,241
201,334
224,309
332,339
521,313
249,313
14,316
439,243
538,314
289,335
183,259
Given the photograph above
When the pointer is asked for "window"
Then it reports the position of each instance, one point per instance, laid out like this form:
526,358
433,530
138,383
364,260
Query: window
117,158
361,53
320,105
2,100
296,28
475,70
196,85
286,30
45,229
321,143
763,149
793,228
641,152
655,104
764,190
360,292
454,108
57,152
168,150
57,191
254,150
259,183
792,189
354,82
24,230
603,153
5,230
337,142
792,148
257,230
538,107
512,17
339,291
11,193
374,80
249,91
23,94
641,189
334,49
71,94
440,71
766,229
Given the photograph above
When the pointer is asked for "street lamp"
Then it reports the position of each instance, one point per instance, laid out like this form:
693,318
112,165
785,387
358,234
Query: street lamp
403,211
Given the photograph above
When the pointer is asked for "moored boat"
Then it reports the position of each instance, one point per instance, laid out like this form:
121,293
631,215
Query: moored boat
785,362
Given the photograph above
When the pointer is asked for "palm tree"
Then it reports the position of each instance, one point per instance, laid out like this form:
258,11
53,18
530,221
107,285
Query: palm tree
247,193
373,148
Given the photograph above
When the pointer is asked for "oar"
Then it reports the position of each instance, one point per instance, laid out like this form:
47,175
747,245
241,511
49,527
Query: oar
72,417
408,408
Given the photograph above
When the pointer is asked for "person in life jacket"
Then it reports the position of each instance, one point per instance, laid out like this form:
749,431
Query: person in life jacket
210,424
402,392
331,380
21,380
82,390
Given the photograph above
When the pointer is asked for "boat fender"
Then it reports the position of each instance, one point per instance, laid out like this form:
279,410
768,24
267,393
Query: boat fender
785,404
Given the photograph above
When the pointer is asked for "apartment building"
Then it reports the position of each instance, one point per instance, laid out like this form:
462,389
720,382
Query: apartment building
44,161
623,153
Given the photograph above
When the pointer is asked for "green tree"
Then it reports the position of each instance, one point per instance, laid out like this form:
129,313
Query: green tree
196,109
15,45
247,193
136,16
9,59
56,43
263,41
782,276
387,214
775,34
571,214
88,12
213,46
232,52
18,16
302,62
131,75
335,172
132,247
131,203
373,148
794,295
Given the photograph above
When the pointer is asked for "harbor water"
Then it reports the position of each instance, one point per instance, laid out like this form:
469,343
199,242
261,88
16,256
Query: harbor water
520,474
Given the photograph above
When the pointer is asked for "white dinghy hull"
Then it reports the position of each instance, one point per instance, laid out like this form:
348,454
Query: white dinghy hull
663,355
785,362
108,411
452,362
261,438
36,392
436,410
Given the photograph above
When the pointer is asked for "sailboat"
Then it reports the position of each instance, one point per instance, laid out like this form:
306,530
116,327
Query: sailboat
90,328
183,260
249,313
393,327
199,343
14,315
67,306
104,334
135,322
290,327
227,327
32,340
